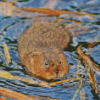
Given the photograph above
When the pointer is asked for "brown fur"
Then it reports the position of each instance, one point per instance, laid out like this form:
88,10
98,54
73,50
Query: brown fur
41,47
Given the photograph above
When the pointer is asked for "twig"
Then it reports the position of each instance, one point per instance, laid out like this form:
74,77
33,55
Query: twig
78,89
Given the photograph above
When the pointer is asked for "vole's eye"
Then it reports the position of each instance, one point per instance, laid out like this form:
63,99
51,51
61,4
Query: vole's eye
59,62
46,63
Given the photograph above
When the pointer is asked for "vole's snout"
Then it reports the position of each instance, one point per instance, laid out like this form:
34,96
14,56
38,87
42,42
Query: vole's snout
57,71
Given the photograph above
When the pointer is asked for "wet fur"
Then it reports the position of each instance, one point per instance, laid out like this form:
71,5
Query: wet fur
41,43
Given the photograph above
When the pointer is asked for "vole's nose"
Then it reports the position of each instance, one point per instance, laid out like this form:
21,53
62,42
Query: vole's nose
57,71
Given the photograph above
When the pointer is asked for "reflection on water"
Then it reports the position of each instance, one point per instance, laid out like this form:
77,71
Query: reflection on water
12,27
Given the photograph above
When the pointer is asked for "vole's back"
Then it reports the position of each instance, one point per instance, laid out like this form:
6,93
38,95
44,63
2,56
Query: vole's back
43,35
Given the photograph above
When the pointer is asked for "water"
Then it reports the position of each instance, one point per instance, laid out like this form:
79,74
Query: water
12,27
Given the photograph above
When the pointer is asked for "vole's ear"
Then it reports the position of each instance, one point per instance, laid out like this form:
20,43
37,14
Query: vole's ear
37,53
29,57
35,56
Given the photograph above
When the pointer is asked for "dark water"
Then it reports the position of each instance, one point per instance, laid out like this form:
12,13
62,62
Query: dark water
12,27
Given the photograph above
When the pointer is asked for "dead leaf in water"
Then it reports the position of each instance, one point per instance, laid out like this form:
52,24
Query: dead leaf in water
5,74
88,61
92,44
6,51
16,95
82,94
3,98
59,82
92,79
90,65
57,13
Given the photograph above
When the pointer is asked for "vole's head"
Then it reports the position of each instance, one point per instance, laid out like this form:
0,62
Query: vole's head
48,65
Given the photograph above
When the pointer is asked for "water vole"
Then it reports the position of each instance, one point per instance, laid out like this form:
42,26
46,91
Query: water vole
40,49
